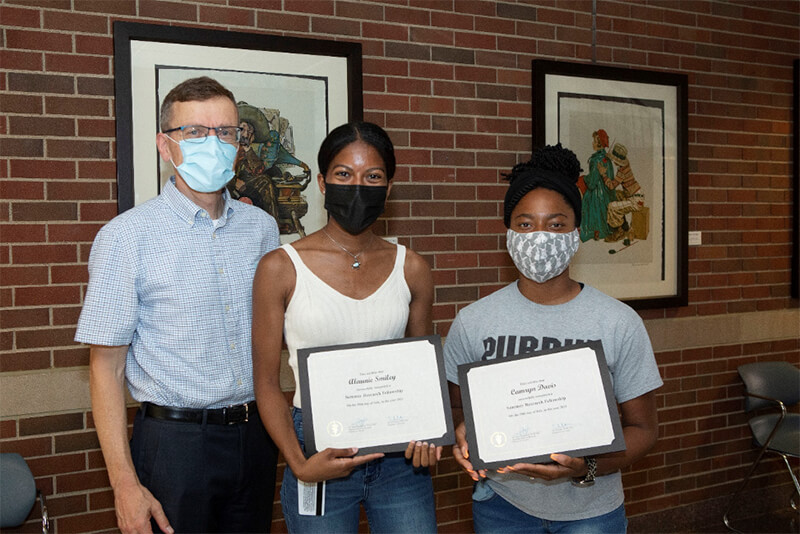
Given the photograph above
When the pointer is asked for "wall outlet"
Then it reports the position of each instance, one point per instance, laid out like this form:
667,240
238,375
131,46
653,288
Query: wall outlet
695,238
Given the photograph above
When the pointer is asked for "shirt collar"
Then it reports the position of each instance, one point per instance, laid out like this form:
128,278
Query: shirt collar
188,210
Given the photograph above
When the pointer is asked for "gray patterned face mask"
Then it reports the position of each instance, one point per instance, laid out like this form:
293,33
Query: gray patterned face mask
541,256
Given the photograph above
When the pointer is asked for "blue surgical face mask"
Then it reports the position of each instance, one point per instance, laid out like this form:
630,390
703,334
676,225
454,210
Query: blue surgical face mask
206,166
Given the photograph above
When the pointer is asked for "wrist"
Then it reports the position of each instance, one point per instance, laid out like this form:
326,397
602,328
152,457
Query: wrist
591,473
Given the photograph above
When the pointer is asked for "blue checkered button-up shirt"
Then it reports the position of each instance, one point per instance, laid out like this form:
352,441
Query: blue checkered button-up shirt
164,279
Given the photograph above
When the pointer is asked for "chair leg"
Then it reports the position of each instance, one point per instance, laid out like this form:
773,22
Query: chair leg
45,516
796,484
725,517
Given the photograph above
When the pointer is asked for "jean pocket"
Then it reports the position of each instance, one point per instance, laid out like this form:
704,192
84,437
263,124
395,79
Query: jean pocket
482,492
297,419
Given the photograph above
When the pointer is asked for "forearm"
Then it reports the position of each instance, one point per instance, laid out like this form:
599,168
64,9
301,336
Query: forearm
640,428
107,386
638,441
278,422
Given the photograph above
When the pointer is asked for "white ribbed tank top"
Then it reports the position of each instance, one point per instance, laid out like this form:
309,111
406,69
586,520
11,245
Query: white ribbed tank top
318,315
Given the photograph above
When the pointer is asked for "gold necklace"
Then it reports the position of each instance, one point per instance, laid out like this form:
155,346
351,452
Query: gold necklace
356,263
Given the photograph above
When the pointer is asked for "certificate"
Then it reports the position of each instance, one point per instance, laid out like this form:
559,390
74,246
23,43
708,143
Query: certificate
376,396
523,408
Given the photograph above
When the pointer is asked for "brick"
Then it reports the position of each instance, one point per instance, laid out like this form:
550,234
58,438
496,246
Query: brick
24,361
77,63
60,148
19,103
42,169
87,480
38,40
22,233
54,253
44,126
78,357
91,522
21,147
96,127
23,276
78,191
76,22
30,447
21,318
45,211
97,211
66,315
66,506
55,465
22,190
47,295
76,441
77,106
16,60
49,424
40,83
19,17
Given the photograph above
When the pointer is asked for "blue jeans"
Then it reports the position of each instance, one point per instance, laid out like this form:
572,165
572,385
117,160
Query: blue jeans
494,514
396,497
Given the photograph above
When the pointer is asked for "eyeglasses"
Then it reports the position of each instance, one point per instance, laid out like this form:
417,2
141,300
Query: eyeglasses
198,134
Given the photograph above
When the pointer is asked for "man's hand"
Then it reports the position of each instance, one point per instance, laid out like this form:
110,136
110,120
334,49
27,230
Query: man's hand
135,505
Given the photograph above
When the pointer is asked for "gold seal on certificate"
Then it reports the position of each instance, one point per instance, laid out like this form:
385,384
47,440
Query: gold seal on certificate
376,396
526,407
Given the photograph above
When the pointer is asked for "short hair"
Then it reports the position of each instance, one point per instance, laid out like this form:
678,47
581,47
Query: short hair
194,89
343,135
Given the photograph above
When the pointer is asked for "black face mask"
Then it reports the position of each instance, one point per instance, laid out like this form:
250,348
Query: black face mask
355,207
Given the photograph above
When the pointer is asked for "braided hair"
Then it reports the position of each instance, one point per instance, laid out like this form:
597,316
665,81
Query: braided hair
552,167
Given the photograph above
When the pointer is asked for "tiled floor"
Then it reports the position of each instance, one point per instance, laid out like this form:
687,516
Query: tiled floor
781,522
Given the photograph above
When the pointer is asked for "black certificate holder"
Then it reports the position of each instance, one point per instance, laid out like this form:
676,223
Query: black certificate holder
303,355
618,444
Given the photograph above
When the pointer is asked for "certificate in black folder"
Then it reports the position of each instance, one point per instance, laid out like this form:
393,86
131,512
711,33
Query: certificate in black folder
376,396
526,407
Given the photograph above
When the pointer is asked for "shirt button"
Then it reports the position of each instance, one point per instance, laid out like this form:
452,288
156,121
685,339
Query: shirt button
221,270
227,308
214,235
239,382
233,345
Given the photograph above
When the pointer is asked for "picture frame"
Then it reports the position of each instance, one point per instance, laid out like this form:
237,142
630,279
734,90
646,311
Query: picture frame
795,285
290,93
629,130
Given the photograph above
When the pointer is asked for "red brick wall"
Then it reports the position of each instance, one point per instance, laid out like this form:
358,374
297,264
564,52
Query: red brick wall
450,80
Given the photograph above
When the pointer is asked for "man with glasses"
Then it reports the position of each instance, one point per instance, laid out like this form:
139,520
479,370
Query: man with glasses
168,311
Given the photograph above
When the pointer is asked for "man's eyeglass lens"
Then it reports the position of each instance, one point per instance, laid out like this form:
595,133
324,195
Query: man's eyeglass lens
198,134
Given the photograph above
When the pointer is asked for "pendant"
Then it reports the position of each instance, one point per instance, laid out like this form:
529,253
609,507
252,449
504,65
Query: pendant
356,264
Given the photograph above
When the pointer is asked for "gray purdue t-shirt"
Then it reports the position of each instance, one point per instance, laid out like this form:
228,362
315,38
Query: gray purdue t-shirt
506,323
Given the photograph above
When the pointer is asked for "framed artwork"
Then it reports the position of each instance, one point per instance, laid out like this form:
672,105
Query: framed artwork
628,129
290,93
796,166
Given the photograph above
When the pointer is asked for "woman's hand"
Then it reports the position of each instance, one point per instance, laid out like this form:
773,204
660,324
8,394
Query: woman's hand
332,463
423,454
564,466
461,454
